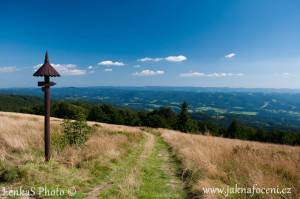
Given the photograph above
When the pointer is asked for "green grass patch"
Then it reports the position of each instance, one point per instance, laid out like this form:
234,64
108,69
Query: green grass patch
155,180
83,175
144,177
207,108
120,172
244,112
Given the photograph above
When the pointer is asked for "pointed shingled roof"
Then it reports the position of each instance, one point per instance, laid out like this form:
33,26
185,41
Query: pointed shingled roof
46,69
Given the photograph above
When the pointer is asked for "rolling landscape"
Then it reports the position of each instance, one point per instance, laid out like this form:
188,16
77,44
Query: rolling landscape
150,99
263,108
130,162
140,160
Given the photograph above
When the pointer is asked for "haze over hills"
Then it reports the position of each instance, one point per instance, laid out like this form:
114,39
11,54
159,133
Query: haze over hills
253,107
174,88
205,89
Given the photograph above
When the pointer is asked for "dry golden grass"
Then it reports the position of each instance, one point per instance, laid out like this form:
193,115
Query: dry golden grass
22,148
25,132
20,133
220,162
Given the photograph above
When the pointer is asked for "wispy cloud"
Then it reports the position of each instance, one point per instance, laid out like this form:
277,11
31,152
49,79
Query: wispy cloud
170,58
197,74
230,55
90,67
68,69
150,59
137,66
148,72
65,69
286,74
176,58
107,70
92,71
110,63
194,74
8,69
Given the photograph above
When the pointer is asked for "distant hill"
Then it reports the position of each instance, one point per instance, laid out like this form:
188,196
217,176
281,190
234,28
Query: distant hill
266,108
202,89
16,102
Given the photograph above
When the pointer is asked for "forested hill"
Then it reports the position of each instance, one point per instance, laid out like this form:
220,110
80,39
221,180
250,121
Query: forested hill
162,117
14,103
269,108
247,103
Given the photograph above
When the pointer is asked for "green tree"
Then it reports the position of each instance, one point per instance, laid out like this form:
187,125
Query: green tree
210,127
129,117
245,133
261,135
193,127
184,120
105,113
161,118
75,132
169,117
38,109
63,109
233,129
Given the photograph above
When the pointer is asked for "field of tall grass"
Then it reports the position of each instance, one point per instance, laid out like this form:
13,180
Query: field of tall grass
214,162
206,161
22,153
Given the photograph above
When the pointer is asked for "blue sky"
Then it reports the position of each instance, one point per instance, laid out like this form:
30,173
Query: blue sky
232,43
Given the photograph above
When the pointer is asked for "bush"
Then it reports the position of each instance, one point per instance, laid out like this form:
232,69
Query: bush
9,173
75,132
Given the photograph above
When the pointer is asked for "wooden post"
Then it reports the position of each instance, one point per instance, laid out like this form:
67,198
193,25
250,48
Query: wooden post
46,70
47,119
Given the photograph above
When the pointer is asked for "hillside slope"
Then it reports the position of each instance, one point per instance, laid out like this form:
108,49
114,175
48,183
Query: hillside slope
213,162
116,161
255,109
22,157
128,162
16,102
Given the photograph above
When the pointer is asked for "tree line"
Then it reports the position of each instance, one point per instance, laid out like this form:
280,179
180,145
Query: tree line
164,118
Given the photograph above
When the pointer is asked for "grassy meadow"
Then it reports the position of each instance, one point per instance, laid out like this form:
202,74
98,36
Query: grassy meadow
22,154
213,162
130,162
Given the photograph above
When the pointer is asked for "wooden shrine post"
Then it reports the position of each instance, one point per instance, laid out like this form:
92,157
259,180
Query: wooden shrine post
46,71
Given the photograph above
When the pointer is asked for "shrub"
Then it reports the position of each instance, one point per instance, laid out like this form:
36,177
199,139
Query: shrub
75,132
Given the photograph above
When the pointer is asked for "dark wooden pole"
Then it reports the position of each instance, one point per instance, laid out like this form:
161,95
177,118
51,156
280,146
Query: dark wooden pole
46,71
47,119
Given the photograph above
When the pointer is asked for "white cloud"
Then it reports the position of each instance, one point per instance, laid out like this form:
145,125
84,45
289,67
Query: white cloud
176,58
110,63
197,74
90,67
148,72
230,55
170,58
8,69
286,74
137,66
68,69
194,74
37,66
92,71
65,69
108,70
150,59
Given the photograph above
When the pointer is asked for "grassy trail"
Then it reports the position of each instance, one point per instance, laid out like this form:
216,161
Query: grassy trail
150,172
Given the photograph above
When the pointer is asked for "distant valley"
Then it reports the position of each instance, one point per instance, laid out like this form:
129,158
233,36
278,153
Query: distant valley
253,107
